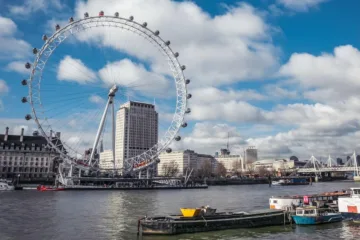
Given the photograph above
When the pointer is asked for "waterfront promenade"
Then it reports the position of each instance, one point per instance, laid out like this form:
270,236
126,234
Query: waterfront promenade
114,215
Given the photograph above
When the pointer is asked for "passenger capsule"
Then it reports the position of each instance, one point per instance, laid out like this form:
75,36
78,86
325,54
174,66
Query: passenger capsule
183,67
184,125
188,96
86,15
168,150
28,117
131,18
144,24
24,82
35,51
44,37
187,81
176,54
57,27
177,138
101,13
71,19
188,110
24,100
116,14
157,161
27,65
157,32
167,43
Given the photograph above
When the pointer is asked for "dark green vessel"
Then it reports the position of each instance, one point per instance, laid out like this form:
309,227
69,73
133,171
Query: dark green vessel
177,224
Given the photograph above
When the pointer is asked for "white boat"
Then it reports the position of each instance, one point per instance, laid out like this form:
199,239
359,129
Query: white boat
6,185
356,178
278,183
291,202
349,207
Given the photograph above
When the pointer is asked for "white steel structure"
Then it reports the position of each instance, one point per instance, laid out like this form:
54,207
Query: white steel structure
68,153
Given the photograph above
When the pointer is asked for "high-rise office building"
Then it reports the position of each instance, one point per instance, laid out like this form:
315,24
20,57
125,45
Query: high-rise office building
251,155
136,130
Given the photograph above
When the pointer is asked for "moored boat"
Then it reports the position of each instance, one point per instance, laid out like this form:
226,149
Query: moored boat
312,215
6,185
328,199
43,188
349,206
195,220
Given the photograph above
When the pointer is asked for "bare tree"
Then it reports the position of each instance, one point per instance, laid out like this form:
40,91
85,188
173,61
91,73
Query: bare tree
205,169
262,171
250,169
236,165
220,170
170,169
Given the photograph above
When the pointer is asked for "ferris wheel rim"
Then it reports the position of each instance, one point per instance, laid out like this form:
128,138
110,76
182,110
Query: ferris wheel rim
178,75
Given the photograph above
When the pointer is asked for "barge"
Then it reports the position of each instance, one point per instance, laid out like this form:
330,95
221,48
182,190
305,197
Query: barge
114,188
201,221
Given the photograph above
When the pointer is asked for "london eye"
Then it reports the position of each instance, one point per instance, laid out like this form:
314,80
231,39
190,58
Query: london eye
67,97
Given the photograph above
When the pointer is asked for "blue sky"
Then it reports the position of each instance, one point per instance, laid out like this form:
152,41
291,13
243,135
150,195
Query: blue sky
278,74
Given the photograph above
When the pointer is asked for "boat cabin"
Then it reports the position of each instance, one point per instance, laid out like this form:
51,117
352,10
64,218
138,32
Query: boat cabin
289,202
355,192
311,211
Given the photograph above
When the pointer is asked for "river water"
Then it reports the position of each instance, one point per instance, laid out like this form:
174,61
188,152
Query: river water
97,215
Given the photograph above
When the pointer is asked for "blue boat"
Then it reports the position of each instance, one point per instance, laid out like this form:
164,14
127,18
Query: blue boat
312,215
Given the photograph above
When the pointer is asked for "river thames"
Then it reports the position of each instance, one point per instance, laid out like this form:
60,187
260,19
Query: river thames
113,214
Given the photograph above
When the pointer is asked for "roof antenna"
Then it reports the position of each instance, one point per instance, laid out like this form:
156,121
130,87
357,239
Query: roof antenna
227,145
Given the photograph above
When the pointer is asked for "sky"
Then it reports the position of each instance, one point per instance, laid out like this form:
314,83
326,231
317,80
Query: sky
280,75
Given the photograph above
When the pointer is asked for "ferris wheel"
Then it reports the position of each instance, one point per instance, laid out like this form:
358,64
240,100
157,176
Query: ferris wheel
57,106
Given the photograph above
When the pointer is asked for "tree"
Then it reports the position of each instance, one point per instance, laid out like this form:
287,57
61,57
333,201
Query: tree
262,171
170,169
294,158
220,170
205,169
250,169
236,165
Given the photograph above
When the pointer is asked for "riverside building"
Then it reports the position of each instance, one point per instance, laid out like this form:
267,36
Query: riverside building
185,161
27,157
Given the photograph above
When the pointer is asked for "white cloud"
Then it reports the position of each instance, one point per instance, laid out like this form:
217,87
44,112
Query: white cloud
328,77
96,99
300,5
33,6
217,50
4,88
277,92
71,69
209,137
18,66
8,27
231,111
134,76
11,47
212,94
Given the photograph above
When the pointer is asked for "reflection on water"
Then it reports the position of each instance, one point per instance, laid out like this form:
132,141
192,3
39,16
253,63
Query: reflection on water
114,215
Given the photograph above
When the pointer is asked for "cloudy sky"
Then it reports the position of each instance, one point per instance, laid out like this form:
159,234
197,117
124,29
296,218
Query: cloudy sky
281,75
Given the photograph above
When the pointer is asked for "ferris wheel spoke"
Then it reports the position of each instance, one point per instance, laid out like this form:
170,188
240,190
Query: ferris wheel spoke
81,141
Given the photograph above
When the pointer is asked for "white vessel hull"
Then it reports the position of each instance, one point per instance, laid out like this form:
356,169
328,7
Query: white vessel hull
356,178
349,207
6,187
